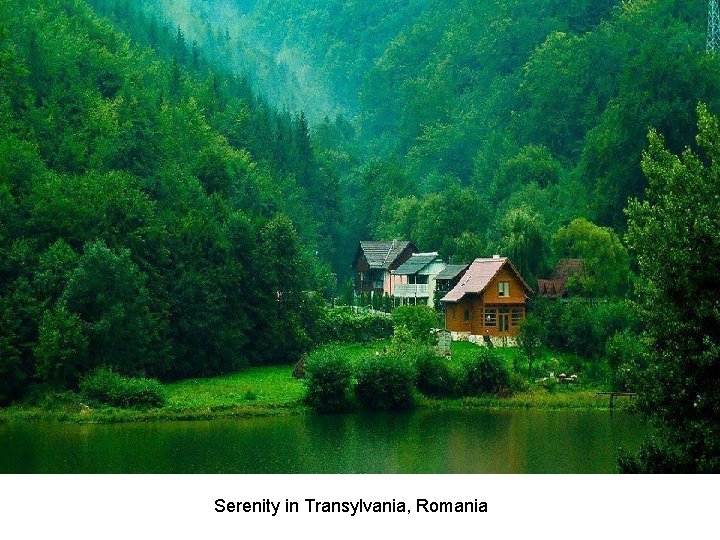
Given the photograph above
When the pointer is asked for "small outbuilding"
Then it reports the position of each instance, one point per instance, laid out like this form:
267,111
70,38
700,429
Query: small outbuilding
555,286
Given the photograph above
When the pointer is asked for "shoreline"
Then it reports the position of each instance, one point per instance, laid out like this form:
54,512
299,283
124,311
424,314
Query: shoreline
581,400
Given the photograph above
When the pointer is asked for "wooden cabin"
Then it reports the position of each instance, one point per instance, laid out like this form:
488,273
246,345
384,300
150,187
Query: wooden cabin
375,261
488,302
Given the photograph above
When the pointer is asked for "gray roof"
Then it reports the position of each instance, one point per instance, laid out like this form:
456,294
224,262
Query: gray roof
452,271
416,263
383,254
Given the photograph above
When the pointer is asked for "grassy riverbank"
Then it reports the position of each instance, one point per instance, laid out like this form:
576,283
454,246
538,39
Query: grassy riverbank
272,391
261,391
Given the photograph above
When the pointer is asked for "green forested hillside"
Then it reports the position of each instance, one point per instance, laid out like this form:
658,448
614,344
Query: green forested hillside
181,181
154,215
310,55
540,107
134,139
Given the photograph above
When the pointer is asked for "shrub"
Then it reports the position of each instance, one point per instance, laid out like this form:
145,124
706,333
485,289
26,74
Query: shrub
419,320
343,325
551,385
435,376
531,338
385,382
105,386
402,340
485,373
583,327
328,376
518,383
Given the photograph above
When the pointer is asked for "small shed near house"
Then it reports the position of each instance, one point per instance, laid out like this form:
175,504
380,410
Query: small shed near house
450,276
556,285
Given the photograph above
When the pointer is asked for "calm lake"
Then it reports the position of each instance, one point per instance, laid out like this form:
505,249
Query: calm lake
512,441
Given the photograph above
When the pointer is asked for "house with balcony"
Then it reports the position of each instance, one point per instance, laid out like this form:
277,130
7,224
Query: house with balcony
415,280
374,262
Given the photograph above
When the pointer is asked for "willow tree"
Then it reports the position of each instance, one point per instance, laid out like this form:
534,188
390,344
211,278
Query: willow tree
523,242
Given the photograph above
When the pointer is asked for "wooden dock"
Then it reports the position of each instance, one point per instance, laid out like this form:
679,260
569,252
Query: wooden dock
614,395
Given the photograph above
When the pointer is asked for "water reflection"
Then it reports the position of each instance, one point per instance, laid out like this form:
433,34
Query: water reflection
414,442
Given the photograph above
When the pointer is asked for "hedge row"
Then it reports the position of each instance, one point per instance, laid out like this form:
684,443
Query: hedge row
104,386
390,380
343,325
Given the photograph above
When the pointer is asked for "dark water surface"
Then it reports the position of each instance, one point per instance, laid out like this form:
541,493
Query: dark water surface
513,441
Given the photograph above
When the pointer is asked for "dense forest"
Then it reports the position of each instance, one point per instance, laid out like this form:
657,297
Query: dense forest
182,182
519,116
153,210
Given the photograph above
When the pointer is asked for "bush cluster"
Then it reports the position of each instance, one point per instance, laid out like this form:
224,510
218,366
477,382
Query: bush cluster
343,325
419,320
390,380
601,333
328,377
485,373
378,302
625,355
583,326
108,387
435,375
385,382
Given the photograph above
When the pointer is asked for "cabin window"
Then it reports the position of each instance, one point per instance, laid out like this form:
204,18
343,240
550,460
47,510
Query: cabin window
504,289
467,315
491,317
517,314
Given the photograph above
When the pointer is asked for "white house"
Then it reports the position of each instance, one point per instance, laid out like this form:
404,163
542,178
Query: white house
415,280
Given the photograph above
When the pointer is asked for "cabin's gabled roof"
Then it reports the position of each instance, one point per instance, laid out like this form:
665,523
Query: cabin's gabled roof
479,276
382,254
416,263
451,271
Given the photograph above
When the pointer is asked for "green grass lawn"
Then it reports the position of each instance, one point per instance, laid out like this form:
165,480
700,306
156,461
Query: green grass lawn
272,390
264,386
257,391
546,362
356,351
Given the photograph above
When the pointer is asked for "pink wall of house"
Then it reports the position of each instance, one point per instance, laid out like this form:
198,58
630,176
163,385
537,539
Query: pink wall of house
393,280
